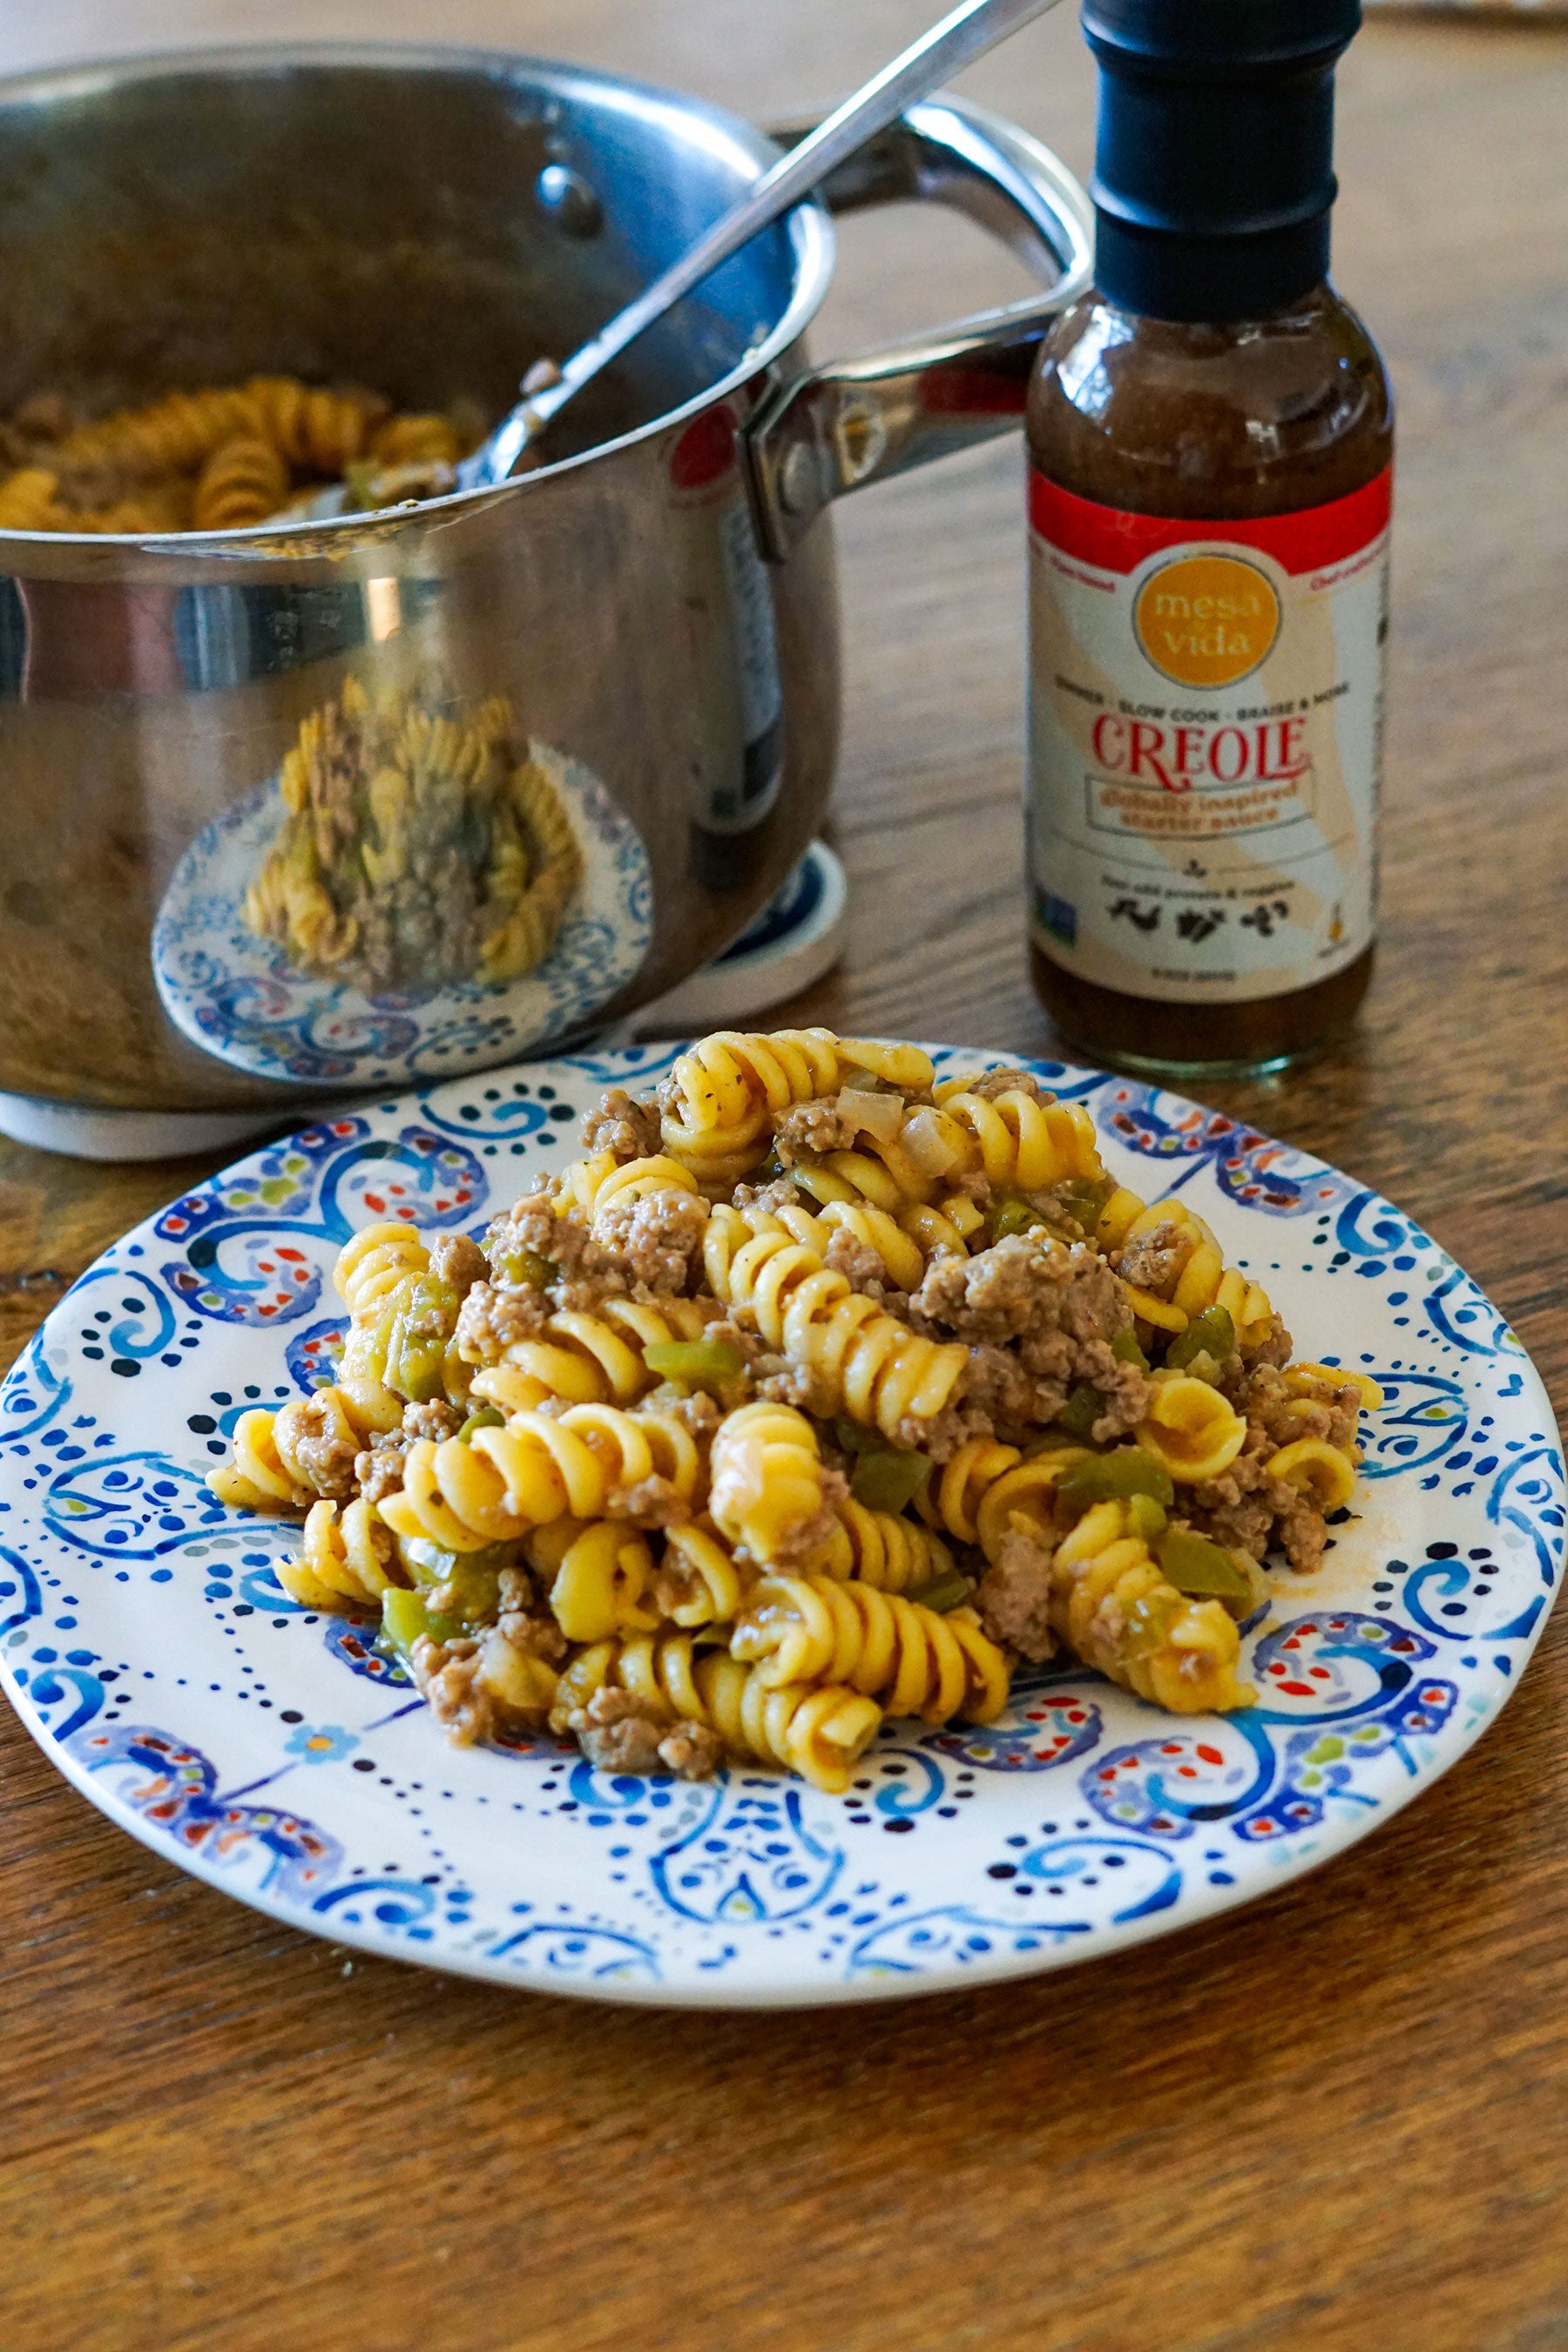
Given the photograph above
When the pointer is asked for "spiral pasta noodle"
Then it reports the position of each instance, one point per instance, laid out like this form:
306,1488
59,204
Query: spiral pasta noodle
729,1087
867,1363
1112,1604
415,440
819,1731
373,1277
340,1559
1019,1143
1191,1429
600,1583
595,1185
882,1550
243,481
766,1471
807,1629
266,1470
589,1358
712,1585
1203,1280
466,1495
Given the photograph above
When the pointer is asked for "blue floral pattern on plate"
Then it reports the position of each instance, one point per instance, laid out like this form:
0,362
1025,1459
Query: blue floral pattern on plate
146,1641
239,996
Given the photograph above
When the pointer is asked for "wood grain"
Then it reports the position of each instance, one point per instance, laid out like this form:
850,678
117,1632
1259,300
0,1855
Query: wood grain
1339,2118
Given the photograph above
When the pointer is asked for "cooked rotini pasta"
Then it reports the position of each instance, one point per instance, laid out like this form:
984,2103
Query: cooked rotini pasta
589,1358
883,1549
279,1458
862,1360
767,1491
1191,1428
689,1477
1114,1606
809,1629
345,1558
243,480
466,1495
819,1731
599,1587
722,1094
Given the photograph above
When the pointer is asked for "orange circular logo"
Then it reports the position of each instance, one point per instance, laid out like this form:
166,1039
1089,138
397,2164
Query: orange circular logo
1207,620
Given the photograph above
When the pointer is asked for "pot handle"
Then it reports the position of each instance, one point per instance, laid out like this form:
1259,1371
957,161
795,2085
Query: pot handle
857,421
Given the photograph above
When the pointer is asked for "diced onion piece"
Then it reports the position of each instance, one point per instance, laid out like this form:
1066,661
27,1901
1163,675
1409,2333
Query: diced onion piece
930,1140
879,1114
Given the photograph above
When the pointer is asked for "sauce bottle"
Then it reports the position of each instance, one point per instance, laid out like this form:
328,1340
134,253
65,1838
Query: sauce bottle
1211,442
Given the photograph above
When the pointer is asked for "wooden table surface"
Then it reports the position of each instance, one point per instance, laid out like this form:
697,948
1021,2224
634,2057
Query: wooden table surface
1337,2119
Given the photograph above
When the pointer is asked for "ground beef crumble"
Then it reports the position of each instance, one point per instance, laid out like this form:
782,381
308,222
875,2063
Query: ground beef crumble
656,1240
1246,1508
1154,1261
1014,1597
379,1469
1006,1080
326,1456
445,1673
456,1260
806,1131
622,1733
629,1129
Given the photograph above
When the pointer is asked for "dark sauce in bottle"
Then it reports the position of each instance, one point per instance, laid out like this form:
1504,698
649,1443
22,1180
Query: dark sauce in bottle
1211,437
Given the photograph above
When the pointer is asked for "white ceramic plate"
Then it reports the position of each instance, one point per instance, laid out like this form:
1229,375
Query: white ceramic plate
148,1646
239,997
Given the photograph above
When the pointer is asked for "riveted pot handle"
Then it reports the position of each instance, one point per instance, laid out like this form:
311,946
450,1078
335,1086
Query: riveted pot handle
860,421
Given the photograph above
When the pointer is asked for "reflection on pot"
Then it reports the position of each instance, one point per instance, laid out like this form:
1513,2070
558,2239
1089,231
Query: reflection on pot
419,890
417,849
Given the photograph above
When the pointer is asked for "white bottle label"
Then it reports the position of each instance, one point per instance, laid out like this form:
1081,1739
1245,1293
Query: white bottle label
1205,733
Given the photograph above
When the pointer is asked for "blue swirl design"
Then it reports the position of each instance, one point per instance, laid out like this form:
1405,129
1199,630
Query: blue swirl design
1463,1316
1249,1168
1334,1665
1145,1877
170,1786
34,1395
1449,1579
1168,1787
400,1905
1387,1232
954,1934
145,1324
72,1686
901,1796
130,1507
749,1858
1527,1495
1034,1736
558,1949
1422,1417
239,1268
18,1591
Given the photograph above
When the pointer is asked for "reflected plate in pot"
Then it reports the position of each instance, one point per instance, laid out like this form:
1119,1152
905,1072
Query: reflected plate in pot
146,1642
239,996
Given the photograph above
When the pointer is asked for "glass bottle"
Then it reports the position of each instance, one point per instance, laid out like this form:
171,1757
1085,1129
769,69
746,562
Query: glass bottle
1211,439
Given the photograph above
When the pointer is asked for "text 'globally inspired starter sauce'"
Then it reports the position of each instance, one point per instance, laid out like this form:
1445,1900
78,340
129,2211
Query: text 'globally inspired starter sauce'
1211,444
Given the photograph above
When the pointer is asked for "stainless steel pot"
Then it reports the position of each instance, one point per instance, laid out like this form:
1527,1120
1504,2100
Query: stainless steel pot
657,605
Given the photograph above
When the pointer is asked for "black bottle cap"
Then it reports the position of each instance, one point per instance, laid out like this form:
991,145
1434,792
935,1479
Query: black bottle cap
1214,172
